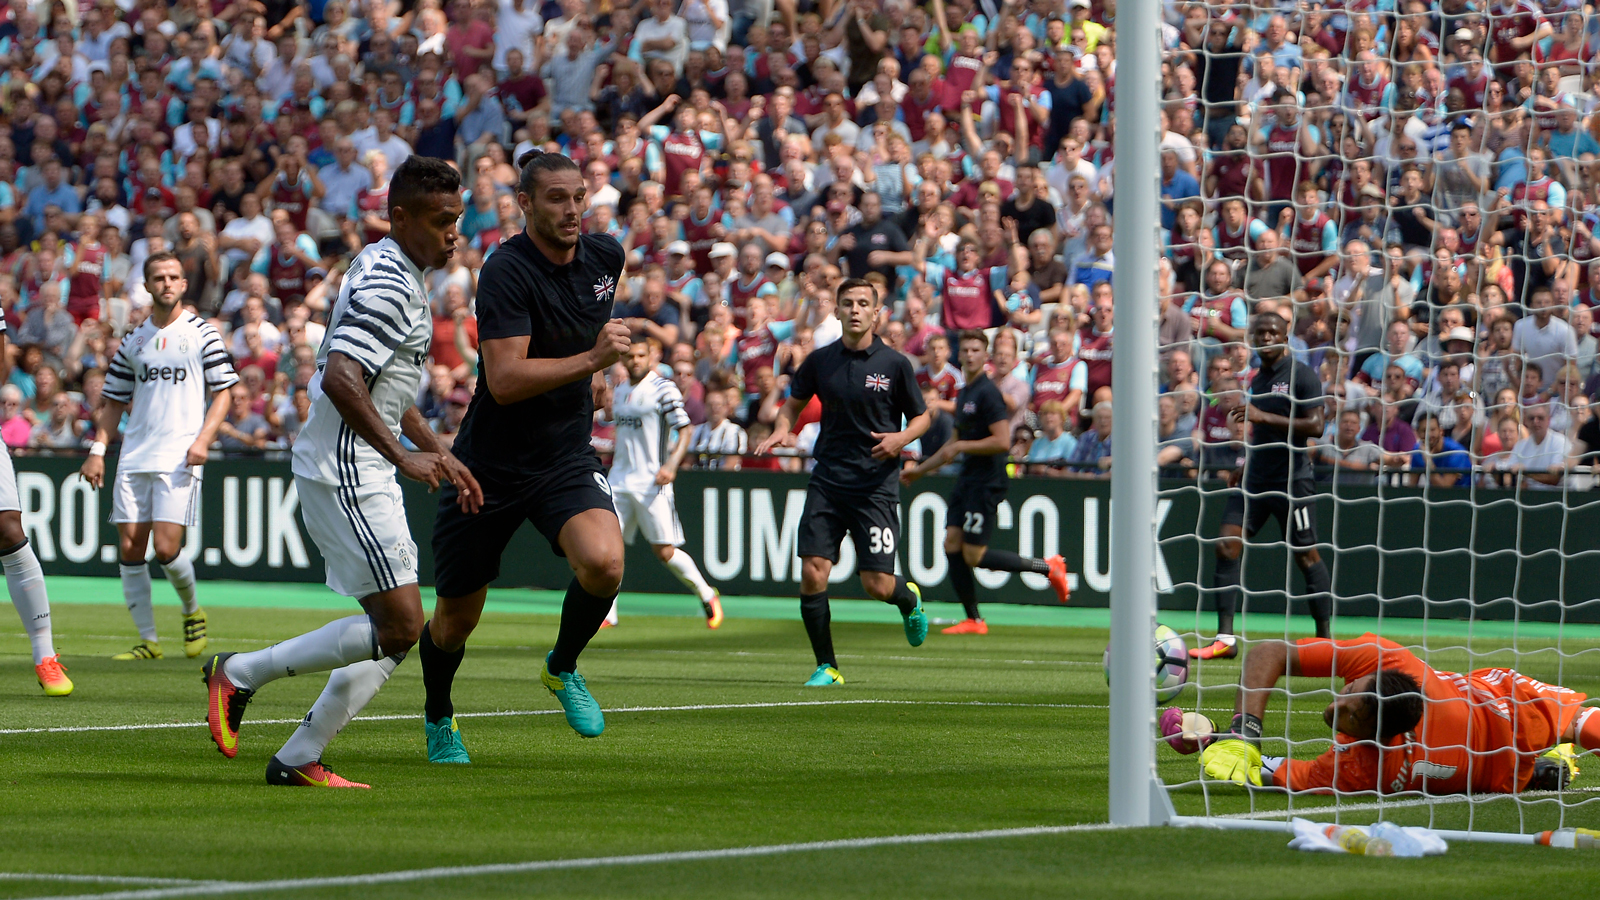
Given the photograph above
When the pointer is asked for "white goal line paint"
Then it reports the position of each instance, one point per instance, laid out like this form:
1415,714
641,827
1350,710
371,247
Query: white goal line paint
222,888
156,726
97,879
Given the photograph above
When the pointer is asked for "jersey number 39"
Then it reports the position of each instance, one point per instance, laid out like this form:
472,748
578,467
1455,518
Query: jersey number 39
880,540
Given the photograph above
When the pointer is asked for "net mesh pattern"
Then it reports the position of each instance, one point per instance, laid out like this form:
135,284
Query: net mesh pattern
1413,168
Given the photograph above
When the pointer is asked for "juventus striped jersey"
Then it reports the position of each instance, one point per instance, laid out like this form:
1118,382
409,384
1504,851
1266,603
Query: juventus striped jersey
646,415
382,321
167,376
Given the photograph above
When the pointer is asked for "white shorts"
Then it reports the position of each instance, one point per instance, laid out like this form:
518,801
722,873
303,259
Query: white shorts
362,533
9,499
653,513
156,496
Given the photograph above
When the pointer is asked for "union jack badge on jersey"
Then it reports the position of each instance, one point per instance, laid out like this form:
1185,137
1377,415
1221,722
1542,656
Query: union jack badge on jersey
604,288
877,382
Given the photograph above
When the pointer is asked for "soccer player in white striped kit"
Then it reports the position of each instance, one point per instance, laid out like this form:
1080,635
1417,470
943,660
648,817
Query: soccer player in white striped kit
369,372
24,578
160,376
647,410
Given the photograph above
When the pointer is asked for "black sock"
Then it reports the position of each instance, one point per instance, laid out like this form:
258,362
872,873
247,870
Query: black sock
814,613
438,674
902,598
1006,561
961,582
1225,584
581,615
1319,600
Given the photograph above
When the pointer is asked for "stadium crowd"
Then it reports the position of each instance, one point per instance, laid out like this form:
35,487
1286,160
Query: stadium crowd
1413,185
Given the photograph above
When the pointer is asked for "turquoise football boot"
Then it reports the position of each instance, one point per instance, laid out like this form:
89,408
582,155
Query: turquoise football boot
444,742
916,621
583,714
825,676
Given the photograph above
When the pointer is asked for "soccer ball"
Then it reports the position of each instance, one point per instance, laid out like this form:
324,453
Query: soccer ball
1172,663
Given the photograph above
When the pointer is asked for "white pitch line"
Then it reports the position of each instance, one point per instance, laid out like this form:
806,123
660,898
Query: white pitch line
97,879
1442,800
156,726
594,862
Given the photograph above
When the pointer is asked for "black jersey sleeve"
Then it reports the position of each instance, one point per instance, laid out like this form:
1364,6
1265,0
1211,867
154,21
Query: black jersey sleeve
504,294
908,395
804,384
992,407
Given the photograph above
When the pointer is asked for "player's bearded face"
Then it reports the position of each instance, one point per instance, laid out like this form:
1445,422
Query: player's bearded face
555,209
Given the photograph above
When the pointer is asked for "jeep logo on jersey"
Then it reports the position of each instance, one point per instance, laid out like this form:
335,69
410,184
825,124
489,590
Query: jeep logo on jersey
604,288
877,382
175,374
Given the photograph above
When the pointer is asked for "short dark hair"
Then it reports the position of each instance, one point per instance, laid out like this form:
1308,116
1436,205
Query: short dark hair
1272,318
159,257
851,284
421,176
972,334
1398,706
535,161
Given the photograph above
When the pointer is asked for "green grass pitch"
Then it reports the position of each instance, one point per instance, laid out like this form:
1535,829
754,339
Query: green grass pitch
963,734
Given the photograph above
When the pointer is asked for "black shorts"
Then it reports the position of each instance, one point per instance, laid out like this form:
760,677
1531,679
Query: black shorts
972,509
467,546
1296,513
871,520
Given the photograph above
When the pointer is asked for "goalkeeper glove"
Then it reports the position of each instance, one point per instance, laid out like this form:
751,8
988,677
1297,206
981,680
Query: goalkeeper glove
1233,760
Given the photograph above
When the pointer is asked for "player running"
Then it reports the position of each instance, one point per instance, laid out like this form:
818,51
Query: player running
24,578
368,374
160,377
1402,725
545,329
1284,409
983,434
867,390
647,409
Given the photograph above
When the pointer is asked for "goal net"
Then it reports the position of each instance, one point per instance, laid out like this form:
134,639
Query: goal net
1413,192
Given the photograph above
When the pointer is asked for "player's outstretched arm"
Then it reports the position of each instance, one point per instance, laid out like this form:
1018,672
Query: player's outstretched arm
415,428
1237,758
200,450
512,376
345,383
781,436
106,419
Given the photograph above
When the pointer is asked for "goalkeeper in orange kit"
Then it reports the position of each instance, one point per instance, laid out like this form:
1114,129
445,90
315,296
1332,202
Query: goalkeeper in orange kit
1402,725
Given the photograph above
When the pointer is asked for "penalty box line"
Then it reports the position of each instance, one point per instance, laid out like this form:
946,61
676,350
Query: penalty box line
510,713
222,888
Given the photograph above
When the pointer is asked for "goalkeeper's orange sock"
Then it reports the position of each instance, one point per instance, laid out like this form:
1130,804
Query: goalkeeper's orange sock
1588,728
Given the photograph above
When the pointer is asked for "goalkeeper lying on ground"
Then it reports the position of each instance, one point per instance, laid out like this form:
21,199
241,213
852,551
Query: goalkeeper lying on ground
1402,725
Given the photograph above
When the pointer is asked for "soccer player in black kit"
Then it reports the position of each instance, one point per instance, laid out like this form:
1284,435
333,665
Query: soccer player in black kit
867,389
1284,409
983,435
545,326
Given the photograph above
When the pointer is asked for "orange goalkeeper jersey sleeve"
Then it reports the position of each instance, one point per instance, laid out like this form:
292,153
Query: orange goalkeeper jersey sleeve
1480,731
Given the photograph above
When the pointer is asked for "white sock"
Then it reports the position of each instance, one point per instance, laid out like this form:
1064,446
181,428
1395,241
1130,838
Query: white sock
682,566
611,617
338,643
180,573
25,581
136,591
348,692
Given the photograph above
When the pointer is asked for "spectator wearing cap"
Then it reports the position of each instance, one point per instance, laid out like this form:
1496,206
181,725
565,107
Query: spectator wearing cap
781,289
1093,32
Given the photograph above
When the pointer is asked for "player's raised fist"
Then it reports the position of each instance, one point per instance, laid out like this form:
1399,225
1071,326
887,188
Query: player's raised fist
614,340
